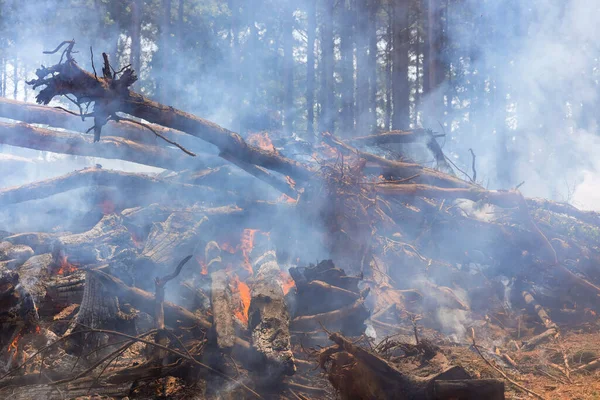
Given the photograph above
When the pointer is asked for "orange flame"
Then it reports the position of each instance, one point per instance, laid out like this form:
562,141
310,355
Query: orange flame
228,247
14,345
203,266
287,282
262,140
247,244
38,330
240,287
66,268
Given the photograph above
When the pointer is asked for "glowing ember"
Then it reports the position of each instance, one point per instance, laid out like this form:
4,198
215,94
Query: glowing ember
291,182
262,140
66,268
228,248
287,282
240,287
38,330
203,266
284,198
247,244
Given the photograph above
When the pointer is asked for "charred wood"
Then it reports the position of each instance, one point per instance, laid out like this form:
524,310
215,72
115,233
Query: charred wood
269,320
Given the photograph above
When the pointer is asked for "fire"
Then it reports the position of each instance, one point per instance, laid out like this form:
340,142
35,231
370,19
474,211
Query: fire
14,345
228,248
244,292
38,330
287,282
284,198
262,140
66,268
247,244
203,266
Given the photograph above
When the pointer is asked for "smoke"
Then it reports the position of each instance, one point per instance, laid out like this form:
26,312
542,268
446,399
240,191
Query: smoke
536,120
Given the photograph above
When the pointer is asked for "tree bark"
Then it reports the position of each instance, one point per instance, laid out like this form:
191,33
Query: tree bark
310,69
144,186
347,69
400,84
371,121
327,104
136,35
70,78
288,67
37,114
31,137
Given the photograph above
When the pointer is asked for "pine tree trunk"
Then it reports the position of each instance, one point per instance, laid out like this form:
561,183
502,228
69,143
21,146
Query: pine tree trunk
288,69
163,68
136,37
435,69
372,67
15,77
362,68
347,69
400,84
310,68
326,122
388,71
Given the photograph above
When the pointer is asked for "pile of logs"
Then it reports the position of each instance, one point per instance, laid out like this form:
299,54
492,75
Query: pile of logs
243,268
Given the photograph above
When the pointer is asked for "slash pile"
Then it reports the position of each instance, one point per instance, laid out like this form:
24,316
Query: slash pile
271,267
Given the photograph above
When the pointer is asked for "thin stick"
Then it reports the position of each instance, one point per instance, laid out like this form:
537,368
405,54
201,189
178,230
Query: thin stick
186,151
502,372
180,354
473,166
93,67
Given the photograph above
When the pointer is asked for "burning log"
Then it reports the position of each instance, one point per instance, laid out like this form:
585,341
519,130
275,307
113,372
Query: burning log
220,298
32,137
269,320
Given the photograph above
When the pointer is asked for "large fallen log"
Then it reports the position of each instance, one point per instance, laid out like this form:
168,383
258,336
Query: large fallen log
111,95
144,185
32,137
55,117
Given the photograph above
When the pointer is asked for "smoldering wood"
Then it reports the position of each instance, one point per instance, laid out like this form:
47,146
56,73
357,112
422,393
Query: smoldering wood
220,298
174,315
37,138
538,309
40,242
102,242
17,252
167,240
269,320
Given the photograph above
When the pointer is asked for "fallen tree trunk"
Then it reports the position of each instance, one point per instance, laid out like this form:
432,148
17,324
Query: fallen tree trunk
112,95
145,185
37,114
36,138
412,136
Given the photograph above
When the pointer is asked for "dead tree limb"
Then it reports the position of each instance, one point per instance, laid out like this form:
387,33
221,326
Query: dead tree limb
36,138
144,185
60,118
113,95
